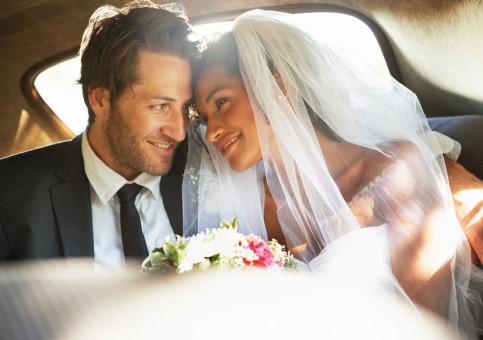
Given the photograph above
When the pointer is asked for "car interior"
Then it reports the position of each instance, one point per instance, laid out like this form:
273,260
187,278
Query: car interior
432,47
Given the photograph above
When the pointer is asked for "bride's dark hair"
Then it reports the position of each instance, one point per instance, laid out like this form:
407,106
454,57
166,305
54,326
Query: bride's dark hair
222,51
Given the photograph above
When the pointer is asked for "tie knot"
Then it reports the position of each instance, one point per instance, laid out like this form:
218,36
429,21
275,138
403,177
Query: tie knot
128,192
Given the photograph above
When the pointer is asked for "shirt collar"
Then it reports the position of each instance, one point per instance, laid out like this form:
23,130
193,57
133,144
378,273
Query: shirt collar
106,182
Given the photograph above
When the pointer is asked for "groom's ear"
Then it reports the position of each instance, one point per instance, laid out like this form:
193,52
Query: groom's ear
99,100
280,84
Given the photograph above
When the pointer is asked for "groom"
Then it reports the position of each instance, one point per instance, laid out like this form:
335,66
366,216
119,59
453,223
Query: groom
61,200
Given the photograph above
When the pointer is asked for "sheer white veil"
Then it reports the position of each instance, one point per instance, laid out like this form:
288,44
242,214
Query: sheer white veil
321,113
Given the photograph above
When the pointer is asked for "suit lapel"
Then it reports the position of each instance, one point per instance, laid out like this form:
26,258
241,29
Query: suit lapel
171,189
72,204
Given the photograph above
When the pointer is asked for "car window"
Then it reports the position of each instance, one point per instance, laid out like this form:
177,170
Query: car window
57,85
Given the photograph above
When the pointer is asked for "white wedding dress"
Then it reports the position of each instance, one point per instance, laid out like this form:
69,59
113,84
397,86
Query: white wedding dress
367,264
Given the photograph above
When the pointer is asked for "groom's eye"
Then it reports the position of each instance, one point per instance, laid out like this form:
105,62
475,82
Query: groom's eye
160,107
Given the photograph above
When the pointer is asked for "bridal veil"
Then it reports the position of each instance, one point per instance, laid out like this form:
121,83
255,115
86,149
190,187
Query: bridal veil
324,109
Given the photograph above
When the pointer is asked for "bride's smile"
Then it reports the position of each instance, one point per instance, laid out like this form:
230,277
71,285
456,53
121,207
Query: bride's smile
227,141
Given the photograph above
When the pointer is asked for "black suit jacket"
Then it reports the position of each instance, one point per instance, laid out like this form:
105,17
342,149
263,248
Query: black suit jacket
45,207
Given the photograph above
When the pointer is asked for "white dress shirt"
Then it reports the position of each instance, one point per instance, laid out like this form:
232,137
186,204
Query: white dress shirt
104,183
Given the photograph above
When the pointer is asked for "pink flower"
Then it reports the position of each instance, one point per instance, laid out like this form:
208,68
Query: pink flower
262,250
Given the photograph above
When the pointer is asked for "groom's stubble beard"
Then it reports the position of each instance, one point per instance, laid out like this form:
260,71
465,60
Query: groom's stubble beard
131,150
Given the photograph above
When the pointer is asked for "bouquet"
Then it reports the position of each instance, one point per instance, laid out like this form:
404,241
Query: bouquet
218,248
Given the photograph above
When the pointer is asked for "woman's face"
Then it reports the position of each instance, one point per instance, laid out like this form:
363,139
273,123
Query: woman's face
223,103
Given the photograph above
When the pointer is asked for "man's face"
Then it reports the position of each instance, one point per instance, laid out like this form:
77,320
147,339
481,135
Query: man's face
148,121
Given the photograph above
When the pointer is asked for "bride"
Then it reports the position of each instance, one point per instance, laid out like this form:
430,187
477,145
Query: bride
333,160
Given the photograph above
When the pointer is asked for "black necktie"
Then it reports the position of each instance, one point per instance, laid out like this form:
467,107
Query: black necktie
133,241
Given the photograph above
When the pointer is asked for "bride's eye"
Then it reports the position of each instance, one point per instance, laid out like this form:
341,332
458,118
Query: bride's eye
220,102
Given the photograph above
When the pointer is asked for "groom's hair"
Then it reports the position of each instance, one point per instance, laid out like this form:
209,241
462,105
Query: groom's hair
114,37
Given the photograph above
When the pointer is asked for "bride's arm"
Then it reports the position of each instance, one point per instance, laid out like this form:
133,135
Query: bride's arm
420,238
467,191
